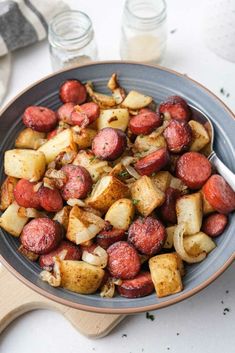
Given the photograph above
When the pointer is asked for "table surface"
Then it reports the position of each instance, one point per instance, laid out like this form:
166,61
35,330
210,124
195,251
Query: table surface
198,324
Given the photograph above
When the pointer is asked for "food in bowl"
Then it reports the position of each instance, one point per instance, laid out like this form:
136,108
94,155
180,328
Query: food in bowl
113,192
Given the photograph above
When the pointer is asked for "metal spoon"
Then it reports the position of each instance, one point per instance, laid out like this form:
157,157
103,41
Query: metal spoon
211,155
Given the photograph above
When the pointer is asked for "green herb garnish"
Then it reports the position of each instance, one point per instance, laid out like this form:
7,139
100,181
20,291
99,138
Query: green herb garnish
150,316
135,202
123,173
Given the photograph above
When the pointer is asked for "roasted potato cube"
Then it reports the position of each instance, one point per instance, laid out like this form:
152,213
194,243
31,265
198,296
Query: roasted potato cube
63,142
108,190
115,118
200,136
27,164
121,213
11,221
176,183
95,166
29,254
146,195
189,211
197,243
83,225
165,271
83,137
29,138
149,143
80,277
206,206
136,100
63,216
7,192
162,180
170,235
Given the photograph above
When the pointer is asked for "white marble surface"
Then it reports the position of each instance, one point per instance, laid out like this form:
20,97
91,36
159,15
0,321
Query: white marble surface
199,321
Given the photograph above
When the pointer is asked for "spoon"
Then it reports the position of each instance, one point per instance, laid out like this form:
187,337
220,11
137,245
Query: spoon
211,155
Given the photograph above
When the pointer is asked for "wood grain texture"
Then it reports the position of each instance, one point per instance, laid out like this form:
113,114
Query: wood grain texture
17,299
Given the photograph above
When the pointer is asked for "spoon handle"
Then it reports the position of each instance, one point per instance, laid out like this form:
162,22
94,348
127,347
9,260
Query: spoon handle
222,169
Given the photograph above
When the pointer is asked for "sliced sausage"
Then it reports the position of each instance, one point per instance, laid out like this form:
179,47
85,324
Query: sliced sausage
79,182
73,91
65,111
50,200
145,122
109,143
176,107
40,118
41,235
25,195
214,224
178,135
73,252
108,237
138,287
193,169
147,235
153,162
219,194
167,209
85,114
123,261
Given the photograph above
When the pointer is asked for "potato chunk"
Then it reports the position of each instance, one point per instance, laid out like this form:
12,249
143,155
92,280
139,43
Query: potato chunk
83,225
136,100
200,136
146,195
83,137
162,180
206,206
165,271
197,243
115,118
189,211
121,213
29,138
27,164
170,235
63,216
149,143
108,190
7,192
11,221
63,142
80,277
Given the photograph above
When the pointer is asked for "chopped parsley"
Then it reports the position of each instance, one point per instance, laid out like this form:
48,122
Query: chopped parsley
153,174
92,158
150,316
135,201
123,173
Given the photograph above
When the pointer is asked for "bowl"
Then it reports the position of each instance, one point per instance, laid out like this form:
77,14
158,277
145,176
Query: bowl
158,83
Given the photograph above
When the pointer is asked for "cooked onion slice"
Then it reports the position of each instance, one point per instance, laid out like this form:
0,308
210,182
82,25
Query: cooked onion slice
73,202
54,279
179,246
132,172
98,257
108,289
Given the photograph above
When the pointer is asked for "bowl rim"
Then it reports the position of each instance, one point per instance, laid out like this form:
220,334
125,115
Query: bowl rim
128,310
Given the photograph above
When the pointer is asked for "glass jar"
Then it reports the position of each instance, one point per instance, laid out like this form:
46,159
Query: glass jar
144,31
71,39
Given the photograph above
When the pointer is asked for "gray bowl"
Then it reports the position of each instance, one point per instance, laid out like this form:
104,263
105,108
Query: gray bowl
158,83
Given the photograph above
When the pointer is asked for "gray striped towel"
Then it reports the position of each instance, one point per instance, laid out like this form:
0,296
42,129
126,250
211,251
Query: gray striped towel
22,23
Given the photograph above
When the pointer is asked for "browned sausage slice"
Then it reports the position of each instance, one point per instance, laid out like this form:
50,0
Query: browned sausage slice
65,111
50,200
178,135
109,144
193,169
144,123
25,195
138,287
41,235
79,182
167,209
73,91
40,118
85,114
176,107
147,235
219,194
214,224
153,162
73,253
109,237
123,261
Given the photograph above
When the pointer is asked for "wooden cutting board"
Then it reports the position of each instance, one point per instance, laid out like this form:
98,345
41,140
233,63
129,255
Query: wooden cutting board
16,299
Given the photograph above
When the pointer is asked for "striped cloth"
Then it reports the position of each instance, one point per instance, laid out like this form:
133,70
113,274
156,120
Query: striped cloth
22,23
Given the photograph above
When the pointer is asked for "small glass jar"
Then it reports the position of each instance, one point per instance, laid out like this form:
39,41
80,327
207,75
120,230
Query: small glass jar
71,39
144,31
